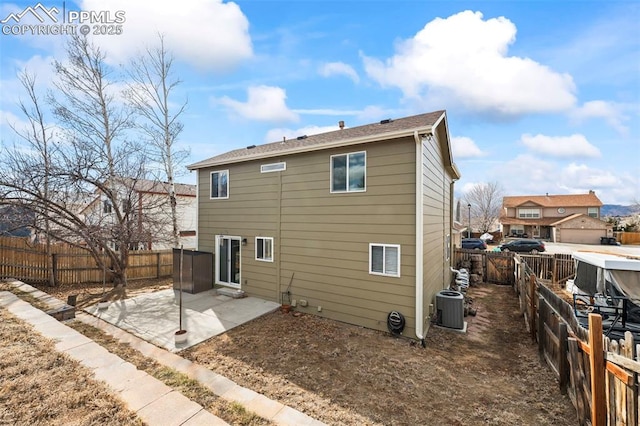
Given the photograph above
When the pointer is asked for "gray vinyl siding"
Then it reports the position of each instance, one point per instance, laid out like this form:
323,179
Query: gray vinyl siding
322,239
436,222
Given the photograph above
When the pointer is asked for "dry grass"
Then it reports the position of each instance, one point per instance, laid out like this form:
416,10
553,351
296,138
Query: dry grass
88,294
232,413
39,385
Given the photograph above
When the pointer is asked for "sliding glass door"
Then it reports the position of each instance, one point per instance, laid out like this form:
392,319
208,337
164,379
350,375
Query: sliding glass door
228,261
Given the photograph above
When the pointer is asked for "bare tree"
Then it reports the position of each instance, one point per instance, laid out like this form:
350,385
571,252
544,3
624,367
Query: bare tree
92,190
149,93
36,155
486,202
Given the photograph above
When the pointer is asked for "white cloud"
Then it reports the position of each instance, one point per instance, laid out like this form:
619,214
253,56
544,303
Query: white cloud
611,112
373,113
464,147
574,146
464,60
339,68
582,178
264,103
208,34
38,66
326,111
275,135
529,175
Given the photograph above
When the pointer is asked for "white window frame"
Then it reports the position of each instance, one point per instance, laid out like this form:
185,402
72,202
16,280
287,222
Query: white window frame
211,197
273,167
384,256
347,190
217,260
592,212
264,239
529,213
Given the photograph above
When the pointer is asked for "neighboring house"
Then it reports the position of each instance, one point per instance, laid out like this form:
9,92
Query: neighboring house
558,218
149,201
15,221
351,224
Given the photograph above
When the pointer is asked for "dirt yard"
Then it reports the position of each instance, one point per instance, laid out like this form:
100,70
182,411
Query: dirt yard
342,374
347,375
90,294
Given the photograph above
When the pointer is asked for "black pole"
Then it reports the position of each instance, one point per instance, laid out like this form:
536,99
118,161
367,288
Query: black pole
469,231
181,254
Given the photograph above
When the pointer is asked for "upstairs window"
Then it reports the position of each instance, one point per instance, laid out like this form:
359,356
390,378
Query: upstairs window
264,249
107,207
384,259
273,167
220,184
348,172
592,211
529,213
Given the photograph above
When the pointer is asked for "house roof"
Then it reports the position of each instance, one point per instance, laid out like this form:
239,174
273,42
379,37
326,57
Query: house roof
157,187
545,221
570,200
146,186
385,129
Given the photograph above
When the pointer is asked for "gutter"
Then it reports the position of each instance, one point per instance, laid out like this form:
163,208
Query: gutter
419,241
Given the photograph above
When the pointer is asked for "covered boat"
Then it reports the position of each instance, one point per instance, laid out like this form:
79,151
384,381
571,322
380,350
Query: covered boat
608,284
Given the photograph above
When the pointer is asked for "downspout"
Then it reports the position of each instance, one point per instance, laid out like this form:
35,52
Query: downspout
419,242
451,250
197,208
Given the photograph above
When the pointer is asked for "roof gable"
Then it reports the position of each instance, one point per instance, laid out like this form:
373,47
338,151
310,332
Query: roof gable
384,130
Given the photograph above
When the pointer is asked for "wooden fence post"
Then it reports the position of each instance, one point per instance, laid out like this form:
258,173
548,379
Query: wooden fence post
578,380
632,393
596,361
542,313
158,265
532,307
563,367
54,268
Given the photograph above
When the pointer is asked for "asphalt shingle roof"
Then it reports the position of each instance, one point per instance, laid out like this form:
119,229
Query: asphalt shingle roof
313,142
570,200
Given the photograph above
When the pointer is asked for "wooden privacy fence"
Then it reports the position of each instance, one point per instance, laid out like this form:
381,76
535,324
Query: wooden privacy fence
499,268
30,263
627,237
600,375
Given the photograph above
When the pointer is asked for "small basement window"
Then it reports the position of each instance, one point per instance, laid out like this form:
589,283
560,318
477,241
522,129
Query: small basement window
273,167
384,259
264,249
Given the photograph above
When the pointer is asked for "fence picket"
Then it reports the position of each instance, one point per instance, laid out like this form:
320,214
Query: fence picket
27,261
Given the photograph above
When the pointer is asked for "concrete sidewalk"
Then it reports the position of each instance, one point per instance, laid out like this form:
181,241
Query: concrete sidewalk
152,400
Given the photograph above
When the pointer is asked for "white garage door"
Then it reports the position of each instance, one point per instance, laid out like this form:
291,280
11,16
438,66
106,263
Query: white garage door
581,236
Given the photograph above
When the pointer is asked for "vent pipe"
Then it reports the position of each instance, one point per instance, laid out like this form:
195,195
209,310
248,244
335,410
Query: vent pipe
341,124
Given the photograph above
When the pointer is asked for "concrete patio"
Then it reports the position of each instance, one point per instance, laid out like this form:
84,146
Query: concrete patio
154,317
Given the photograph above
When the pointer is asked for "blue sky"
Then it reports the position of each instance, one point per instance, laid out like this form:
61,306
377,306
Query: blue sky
541,96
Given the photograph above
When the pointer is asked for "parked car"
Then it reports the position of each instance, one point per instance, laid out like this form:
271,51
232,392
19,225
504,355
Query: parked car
473,243
609,241
523,246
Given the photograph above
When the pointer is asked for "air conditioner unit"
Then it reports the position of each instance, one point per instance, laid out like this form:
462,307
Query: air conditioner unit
450,309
